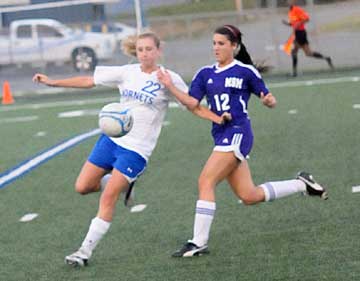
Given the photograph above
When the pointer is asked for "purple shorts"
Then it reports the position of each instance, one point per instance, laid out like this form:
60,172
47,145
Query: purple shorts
238,139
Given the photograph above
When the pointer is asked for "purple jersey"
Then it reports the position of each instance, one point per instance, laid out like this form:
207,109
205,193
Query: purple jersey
228,89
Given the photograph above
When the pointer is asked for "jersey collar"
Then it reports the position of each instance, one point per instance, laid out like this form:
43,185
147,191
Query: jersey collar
221,69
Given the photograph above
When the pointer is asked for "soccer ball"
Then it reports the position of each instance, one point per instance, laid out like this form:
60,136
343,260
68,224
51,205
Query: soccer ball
115,120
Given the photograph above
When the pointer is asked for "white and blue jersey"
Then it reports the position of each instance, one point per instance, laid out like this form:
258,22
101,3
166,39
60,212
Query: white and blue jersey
146,97
228,89
148,101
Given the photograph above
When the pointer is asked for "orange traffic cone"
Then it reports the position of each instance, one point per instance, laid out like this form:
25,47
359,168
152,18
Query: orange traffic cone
7,97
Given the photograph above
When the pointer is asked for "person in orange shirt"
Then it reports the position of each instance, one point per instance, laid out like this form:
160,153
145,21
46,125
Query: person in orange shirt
297,18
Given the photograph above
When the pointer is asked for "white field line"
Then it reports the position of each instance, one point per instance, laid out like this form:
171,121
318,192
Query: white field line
19,119
106,100
314,82
78,113
12,174
57,104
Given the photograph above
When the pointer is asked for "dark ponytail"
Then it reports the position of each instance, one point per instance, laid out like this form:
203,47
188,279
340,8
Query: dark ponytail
234,35
243,55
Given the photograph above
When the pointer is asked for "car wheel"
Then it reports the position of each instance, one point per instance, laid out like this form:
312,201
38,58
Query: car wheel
84,59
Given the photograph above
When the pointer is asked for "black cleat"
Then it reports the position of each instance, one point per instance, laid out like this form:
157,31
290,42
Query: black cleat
190,250
312,187
329,61
129,196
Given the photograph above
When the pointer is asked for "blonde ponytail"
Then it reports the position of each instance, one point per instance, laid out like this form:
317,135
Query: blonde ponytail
128,45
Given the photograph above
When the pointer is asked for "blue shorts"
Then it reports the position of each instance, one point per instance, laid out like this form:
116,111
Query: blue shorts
237,139
108,155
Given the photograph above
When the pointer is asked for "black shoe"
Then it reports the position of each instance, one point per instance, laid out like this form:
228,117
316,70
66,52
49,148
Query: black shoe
190,250
329,61
129,196
312,187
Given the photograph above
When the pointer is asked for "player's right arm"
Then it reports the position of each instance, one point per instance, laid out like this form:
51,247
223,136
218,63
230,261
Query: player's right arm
191,103
72,82
286,22
184,98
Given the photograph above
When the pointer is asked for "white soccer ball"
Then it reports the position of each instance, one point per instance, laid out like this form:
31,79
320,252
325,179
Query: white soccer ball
115,120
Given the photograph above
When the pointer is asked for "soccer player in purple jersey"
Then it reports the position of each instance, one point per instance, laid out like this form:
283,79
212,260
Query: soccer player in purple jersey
227,86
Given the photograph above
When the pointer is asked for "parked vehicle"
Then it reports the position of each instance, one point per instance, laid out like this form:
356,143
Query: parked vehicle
47,40
119,30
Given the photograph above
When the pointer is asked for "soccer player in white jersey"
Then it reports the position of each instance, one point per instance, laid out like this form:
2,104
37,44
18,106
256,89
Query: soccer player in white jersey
227,86
115,163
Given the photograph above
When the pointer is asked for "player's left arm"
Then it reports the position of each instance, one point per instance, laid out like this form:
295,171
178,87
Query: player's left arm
258,87
268,100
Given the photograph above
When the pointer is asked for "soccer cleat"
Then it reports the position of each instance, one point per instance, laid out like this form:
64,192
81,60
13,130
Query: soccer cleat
329,61
190,250
129,196
312,187
79,258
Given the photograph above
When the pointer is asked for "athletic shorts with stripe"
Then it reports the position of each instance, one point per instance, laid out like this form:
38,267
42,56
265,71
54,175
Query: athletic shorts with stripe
239,140
108,155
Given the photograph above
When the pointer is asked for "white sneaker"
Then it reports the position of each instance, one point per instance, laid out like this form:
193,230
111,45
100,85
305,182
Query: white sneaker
79,258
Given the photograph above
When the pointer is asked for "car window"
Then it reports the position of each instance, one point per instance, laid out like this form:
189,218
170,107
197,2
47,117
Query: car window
96,28
23,31
45,31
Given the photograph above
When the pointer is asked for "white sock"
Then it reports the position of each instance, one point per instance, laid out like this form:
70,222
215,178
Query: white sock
278,189
205,211
97,230
103,182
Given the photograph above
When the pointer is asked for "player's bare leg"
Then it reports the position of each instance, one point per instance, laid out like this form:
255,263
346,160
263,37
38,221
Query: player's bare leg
218,166
308,52
294,59
101,223
89,178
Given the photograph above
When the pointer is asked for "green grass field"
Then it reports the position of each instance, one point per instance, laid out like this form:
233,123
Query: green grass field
297,238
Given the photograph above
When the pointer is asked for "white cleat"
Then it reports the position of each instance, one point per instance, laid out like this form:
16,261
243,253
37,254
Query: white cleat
79,258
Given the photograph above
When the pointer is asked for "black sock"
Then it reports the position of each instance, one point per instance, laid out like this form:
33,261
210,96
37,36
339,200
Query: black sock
317,55
294,63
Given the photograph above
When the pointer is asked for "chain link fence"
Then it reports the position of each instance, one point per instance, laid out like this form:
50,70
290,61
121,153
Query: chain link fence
334,30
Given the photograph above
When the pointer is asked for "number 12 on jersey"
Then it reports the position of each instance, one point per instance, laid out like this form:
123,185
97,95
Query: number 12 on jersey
222,102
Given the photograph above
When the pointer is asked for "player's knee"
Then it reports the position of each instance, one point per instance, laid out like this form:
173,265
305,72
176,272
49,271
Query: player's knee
205,184
82,187
248,202
248,198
